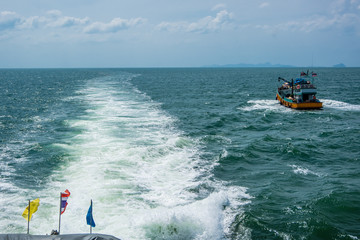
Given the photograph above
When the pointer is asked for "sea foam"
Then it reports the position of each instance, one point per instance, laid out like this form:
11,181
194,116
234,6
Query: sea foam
139,170
327,103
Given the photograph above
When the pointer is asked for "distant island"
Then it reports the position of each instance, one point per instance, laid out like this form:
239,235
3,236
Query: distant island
247,65
263,65
340,65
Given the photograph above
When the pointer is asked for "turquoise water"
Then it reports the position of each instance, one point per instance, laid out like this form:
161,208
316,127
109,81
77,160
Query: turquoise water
180,153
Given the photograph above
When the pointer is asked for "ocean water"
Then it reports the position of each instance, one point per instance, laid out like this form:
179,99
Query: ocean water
180,153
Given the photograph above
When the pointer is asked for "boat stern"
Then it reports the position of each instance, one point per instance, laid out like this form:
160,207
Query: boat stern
303,105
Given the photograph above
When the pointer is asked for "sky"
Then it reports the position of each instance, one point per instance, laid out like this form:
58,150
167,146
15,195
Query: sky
169,33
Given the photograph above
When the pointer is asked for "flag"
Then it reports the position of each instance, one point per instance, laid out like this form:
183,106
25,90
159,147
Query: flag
89,217
64,198
33,208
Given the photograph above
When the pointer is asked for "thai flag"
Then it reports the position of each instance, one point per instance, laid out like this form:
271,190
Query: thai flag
64,198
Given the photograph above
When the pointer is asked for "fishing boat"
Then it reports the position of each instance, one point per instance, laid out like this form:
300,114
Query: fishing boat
299,94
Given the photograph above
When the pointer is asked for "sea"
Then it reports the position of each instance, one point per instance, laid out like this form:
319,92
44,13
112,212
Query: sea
180,153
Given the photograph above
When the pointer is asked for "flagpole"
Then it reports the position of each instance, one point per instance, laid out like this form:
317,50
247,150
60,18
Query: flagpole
28,219
60,214
91,210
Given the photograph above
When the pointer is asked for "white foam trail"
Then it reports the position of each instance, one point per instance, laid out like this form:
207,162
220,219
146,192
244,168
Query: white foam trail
10,194
271,105
303,171
139,170
327,103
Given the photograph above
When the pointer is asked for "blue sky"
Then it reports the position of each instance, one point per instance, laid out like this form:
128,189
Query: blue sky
167,33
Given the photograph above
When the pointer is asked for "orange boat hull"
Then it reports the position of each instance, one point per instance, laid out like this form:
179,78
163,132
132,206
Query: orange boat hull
304,105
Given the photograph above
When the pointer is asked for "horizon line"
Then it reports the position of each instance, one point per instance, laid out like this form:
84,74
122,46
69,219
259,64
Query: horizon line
220,66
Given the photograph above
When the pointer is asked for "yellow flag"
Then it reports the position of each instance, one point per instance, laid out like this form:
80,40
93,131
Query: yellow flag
33,208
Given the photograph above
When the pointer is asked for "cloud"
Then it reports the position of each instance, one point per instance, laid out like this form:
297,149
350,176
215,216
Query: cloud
66,21
115,25
345,6
9,20
32,22
342,15
264,4
204,25
54,13
218,6
53,19
347,22
173,26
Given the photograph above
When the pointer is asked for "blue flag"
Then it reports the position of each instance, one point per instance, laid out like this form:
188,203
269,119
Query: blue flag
89,217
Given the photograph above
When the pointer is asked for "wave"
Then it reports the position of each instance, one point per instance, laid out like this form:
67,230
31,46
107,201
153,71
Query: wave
139,170
303,171
327,103
272,105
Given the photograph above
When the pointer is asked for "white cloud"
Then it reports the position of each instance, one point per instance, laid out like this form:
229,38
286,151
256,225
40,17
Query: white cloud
53,19
345,22
218,6
33,22
172,26
344,6
115,25
9,20
66,21
342,15
264,4
204,25
54,13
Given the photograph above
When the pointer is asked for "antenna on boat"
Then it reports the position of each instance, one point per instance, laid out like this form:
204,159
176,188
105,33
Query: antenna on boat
312,60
